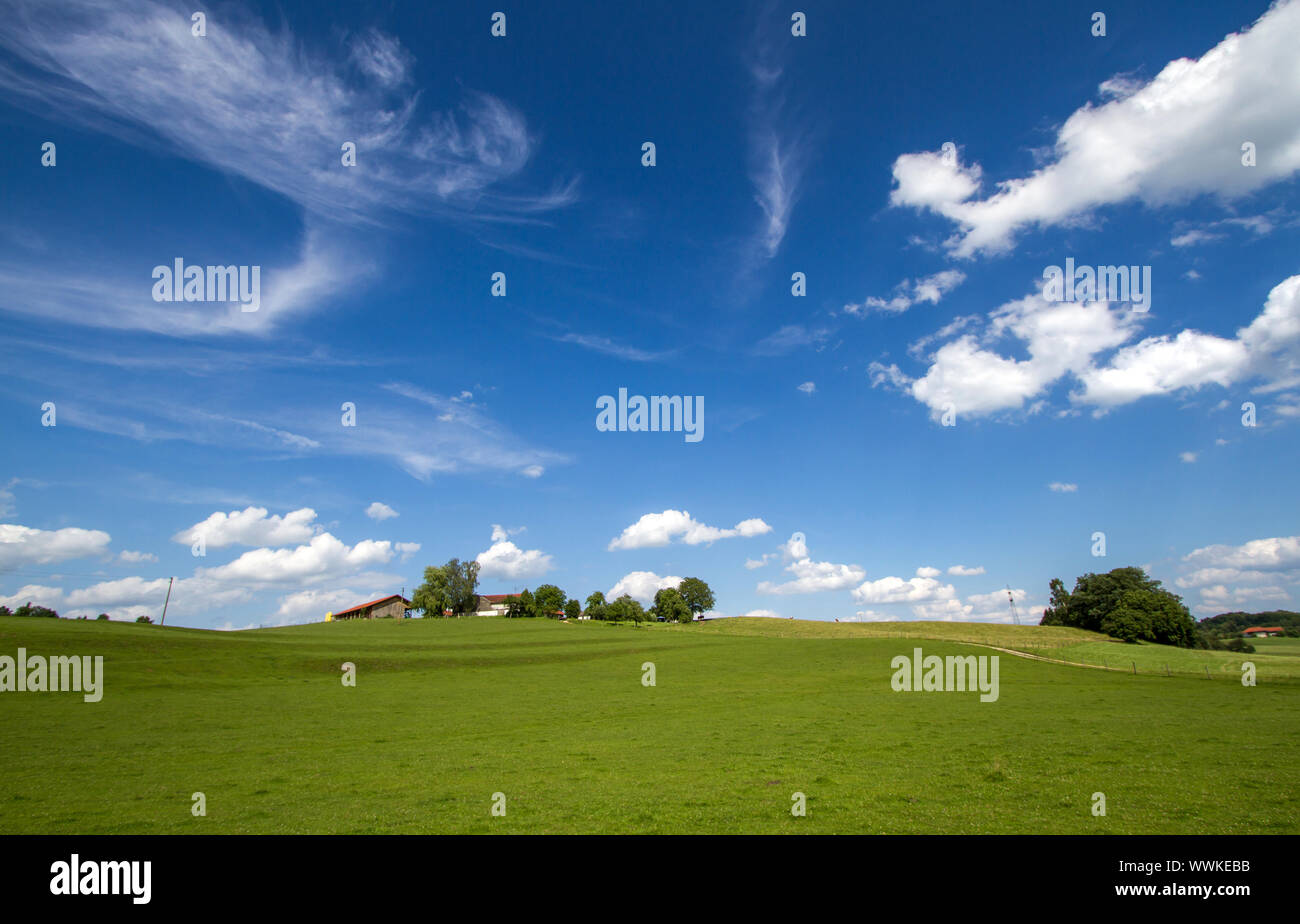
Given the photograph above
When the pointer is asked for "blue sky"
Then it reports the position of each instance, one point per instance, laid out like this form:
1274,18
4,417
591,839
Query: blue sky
827,483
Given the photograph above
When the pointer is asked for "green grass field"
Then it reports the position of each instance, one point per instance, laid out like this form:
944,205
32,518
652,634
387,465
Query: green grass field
744,713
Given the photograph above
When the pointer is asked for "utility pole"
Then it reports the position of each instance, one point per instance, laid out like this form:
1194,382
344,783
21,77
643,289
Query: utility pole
163,621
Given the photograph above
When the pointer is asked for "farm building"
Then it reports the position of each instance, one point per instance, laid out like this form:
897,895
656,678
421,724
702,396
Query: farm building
1262,631
494,604
391,607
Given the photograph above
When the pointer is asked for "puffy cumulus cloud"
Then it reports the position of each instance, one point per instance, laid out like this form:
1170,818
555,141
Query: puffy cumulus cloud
641,586
312,605
811,576
1070,339
927,572
1280,553
963,571
658,529
1159,142
406,549
25,545
762,614
1221,597
378,511
35,594
323,555
504,559
251,526
919,589
989,607
122,592
500,532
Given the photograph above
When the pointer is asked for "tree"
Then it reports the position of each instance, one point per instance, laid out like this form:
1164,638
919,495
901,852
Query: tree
433,596
697,594
42,611
670,605
549,600
1124,603
573,609
521,606
462,585
101,616
452,587
625,608
596,606
144,619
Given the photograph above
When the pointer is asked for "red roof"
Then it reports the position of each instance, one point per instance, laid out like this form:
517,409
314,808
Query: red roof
363,606
1263,629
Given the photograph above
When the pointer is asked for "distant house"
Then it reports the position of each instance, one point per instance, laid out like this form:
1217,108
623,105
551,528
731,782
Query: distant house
494,604
391,607
1262,631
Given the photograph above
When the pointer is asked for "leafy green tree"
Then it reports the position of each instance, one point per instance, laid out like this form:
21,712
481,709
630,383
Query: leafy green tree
549,600
434,595
670,606
40,611
522,606
572,609
1125,603
145,619
596,606
462,585
5,611
101,616
697,594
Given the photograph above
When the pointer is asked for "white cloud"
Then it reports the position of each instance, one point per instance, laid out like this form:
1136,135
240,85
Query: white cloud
897,590
911,292
927,572
35,594
641,586
251,526
25,545
963,571
324,555
1159,143
504,559
1063,487
762,614
1066,338
1188,457
377,511
136,557
1281,553
807,387
658,529
811,576
312,605
406,549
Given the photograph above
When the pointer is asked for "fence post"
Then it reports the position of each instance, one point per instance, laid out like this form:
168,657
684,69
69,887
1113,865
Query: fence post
1135,668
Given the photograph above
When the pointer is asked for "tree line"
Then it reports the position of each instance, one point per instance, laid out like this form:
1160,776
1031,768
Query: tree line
452,590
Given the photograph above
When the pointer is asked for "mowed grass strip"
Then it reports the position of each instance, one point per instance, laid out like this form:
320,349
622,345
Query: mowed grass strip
447,712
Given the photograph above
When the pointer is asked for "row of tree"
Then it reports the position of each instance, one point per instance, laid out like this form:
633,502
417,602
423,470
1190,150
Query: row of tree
452,590
46,613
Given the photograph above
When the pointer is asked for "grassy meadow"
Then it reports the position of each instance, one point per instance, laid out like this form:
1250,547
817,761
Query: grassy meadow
744,713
